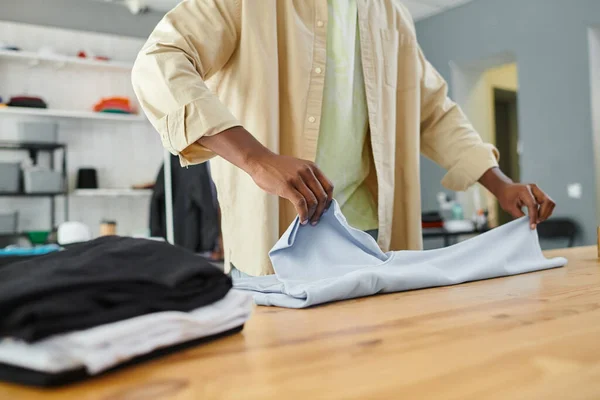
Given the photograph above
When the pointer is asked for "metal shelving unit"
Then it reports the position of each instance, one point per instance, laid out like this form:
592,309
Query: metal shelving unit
34,149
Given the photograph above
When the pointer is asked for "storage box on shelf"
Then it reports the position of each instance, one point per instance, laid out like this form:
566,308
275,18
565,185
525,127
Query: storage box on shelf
8,222
37,132
10,173
42,181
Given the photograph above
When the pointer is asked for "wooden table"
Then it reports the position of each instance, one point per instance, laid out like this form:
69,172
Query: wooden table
533,336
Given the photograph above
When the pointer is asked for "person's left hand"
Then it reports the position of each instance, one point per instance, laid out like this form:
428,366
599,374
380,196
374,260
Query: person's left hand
514,196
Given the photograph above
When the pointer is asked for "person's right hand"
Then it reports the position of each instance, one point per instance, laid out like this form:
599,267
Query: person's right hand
298,181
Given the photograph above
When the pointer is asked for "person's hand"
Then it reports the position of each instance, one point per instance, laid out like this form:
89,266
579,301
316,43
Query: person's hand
514,197
298,181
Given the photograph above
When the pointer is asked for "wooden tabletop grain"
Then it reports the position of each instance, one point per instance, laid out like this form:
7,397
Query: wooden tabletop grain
532,336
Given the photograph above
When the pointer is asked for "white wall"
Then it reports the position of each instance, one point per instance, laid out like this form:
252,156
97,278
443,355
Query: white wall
83,15
123,152
594,39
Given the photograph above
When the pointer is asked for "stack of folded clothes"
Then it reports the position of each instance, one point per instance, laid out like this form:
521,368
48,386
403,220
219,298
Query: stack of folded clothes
106,304
115,105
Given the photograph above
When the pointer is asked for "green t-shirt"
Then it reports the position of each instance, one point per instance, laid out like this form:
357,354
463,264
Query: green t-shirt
342,151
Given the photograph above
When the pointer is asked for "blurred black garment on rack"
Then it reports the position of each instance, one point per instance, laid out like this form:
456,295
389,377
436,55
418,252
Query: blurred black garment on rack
195,211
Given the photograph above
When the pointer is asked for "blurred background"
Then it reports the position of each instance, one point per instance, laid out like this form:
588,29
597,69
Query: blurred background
75,147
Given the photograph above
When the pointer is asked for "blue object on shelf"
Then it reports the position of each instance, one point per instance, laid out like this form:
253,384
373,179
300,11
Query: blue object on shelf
29,251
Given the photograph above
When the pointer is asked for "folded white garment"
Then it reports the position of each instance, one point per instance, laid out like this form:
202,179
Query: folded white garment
334,261
102,347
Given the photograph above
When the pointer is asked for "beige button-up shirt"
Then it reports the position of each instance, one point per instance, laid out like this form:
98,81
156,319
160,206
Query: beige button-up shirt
214,64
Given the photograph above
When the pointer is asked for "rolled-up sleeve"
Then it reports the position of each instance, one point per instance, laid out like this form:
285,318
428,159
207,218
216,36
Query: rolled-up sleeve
190,44
447,136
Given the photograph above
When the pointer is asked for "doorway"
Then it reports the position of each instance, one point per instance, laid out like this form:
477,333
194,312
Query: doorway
507,139
487,90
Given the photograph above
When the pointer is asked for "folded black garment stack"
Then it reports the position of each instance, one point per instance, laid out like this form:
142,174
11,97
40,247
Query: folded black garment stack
105,280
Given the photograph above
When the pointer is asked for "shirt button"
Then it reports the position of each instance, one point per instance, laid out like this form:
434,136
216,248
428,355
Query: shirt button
318,70
311,119
320,23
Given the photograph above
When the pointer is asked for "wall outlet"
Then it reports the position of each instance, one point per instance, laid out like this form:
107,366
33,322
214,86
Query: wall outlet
574,190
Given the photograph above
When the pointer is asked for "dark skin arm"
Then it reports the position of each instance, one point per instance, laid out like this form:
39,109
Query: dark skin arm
299,181
514,196
302,182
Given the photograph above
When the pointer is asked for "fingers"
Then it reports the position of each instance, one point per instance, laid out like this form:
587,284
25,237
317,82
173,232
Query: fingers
546,203
309,198
547,212
308,189
319,193
529,201
299,203
516,212
326,184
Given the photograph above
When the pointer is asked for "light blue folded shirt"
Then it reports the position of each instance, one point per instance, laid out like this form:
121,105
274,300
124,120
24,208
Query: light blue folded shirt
333,261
